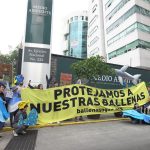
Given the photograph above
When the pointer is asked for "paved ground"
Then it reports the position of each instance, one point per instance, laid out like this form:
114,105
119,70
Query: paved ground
114,135
5,139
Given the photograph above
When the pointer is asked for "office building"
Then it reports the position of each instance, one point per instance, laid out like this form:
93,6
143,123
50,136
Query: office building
127,31
96,35
75,37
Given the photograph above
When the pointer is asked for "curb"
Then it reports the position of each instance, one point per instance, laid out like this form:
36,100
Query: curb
5,129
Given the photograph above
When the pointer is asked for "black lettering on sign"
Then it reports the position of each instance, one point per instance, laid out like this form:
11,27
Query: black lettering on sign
122,94
109,94
48,109
82,101
111,103
142,95
65,104
66,92
57,106
116,93
129,92
82,89
89,101
57,93
35,107
104,101
102,94
138,97
96,93
75,90
129,101
97,103
73,101
89,91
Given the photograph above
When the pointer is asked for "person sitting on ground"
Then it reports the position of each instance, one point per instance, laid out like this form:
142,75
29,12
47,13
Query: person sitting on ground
20,129
22,121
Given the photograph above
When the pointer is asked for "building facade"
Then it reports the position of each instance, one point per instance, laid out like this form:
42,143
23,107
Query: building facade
127,31
76,36
96,35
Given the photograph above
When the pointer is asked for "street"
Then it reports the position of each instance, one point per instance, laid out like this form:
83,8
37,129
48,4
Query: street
115,135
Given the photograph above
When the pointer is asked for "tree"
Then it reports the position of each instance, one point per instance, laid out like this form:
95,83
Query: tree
92,68
10,58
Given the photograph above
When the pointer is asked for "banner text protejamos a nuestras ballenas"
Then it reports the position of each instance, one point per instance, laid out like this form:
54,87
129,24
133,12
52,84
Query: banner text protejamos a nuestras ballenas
60,103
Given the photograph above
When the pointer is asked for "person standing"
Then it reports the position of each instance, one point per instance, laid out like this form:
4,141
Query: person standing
13,104
2,95
4,115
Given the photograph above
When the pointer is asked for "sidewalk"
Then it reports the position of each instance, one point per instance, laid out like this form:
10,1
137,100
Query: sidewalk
103,118
7,131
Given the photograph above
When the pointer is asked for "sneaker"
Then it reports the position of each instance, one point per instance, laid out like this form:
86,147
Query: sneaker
14,133
24,132
59,123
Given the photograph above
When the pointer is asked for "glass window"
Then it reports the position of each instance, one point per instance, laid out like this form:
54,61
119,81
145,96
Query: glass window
130,29
94,40
76,18
93,30
93,20
78,39
133,45
94,8
116,9
134,9
86,18
94,51
108,4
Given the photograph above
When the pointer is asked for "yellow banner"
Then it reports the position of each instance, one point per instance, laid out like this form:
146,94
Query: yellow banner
61,103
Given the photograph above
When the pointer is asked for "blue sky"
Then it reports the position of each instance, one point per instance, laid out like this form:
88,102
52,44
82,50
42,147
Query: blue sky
13,18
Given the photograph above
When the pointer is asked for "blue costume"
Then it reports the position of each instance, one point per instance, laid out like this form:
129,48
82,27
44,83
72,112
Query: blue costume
4,115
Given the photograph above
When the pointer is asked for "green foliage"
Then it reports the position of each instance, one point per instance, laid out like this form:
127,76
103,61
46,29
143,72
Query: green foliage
92,67
147,84
10,58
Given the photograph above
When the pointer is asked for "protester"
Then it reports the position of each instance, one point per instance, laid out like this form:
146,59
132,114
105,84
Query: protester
4,115
22,121
78,81
20,128
13,103
2,95
29,85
